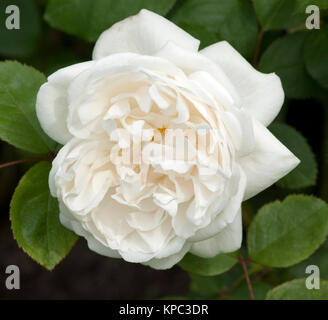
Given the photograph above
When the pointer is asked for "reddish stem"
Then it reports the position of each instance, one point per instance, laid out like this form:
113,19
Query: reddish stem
258,47
12,163
242,261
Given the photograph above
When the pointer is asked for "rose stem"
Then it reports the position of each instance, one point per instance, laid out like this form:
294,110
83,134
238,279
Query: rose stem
12,163
248,280
258,47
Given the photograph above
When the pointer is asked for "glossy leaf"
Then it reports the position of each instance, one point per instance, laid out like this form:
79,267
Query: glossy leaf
285,57
19,125
305,174
316,55
204,287
88,18
319,259
284,14
242,292
208,267
285,233
296,290
225,19
35,219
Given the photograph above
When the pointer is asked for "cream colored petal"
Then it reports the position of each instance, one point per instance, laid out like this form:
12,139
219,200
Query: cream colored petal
269,162
144,33
261,94
52,104
227,240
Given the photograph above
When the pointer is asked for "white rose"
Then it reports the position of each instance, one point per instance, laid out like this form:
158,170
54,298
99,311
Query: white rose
147,78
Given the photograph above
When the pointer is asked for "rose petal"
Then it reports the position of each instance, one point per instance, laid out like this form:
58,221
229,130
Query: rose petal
268,163
226,208
68,221
144,33
51,103
169,262
228,240
240,127
261,94
191,62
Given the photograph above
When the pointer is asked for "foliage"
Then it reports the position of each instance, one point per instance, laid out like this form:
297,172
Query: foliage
284,232
35,221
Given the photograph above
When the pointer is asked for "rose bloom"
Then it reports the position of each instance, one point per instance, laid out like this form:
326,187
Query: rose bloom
148,78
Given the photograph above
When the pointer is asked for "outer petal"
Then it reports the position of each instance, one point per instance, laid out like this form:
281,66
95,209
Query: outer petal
268,163
68,221
169,262
228,240
51,103
191,62
261,94
144,33
228,214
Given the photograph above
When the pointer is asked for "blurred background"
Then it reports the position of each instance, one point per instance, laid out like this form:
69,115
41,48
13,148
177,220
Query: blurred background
84,274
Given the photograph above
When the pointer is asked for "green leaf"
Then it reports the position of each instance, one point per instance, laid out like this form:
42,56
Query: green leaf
20,42
274,14
296,290
316,55
35,219
285,57
302,4
19,125
225,19
204,287
319,258
89,18
305,174
242,293
285,233
208,267
284,14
